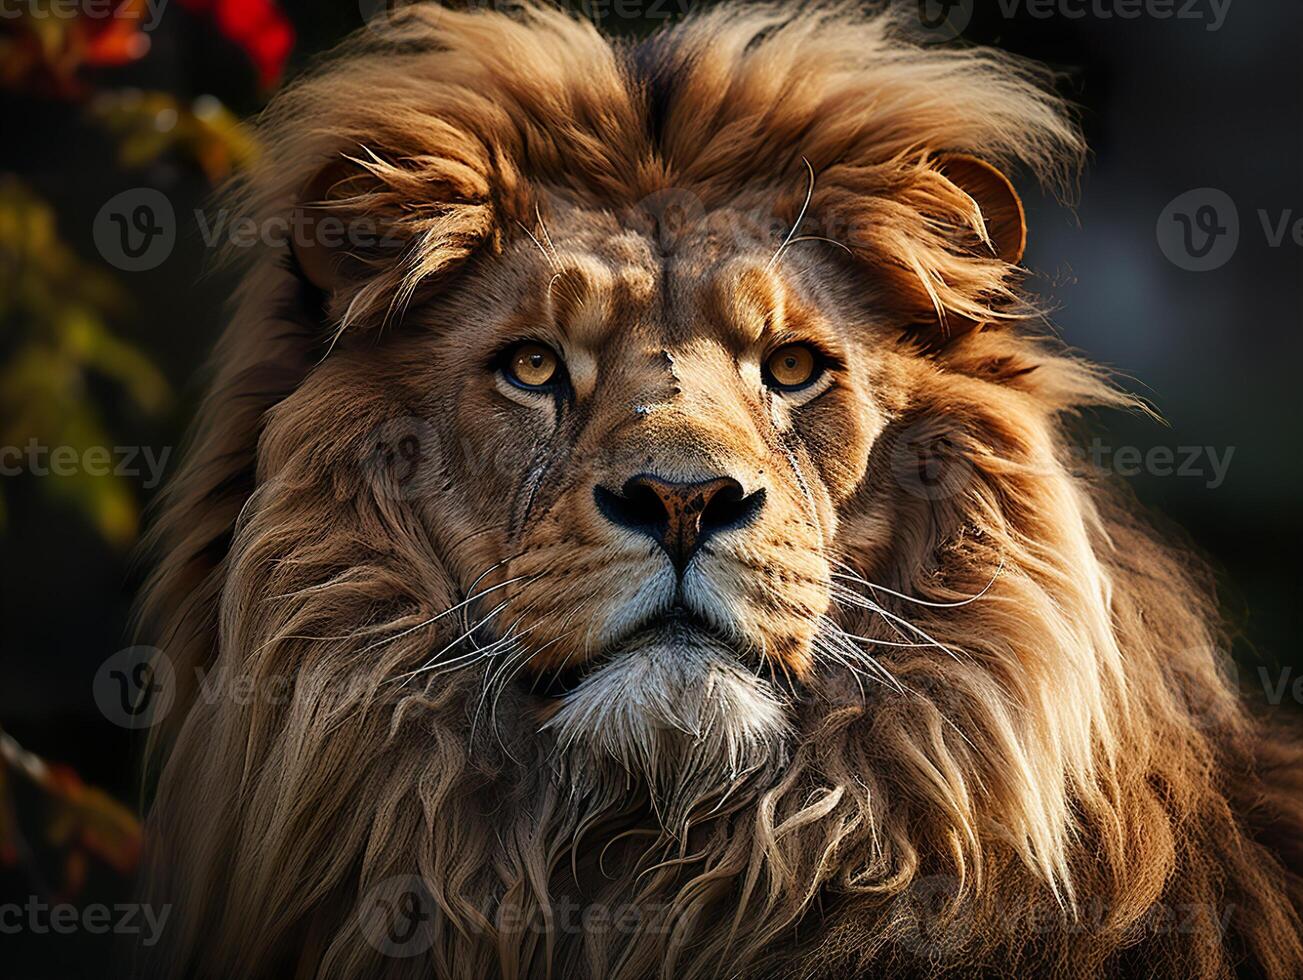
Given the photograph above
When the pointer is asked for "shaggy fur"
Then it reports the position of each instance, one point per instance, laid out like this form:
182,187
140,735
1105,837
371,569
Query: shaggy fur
955,710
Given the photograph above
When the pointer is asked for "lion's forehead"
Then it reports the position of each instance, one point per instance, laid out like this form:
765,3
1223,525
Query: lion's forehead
608,284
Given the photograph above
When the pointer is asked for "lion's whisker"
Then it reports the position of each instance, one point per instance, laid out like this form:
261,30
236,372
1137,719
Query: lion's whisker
451,609
546,254
477,653
821,238
809,195
500,687
891,618
434,661
848,656
470,657
852,576
837,657
574,612
542,227
488,683
480,654
805,491
477,656
470,591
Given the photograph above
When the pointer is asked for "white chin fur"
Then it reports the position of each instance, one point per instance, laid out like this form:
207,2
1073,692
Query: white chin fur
677,709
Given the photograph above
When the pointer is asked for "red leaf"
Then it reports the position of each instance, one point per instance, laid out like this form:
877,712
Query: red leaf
115,40
257,26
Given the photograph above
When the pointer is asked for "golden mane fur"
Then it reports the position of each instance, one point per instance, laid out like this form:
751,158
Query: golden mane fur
1060,782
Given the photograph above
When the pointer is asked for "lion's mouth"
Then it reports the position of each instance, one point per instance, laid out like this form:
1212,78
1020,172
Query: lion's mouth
676,626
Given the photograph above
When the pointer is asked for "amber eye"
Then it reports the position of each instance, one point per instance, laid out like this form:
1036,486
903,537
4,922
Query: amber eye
791,366
532,365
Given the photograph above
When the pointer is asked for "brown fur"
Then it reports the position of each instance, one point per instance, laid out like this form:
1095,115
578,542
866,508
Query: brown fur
1043,772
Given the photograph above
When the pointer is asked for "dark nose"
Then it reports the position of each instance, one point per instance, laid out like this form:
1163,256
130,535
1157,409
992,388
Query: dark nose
680,517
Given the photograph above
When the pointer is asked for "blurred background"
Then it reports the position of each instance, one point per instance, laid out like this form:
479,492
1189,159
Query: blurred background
1179,269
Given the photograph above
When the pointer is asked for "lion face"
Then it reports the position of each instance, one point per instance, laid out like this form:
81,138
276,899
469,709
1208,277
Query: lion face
679,431
647,453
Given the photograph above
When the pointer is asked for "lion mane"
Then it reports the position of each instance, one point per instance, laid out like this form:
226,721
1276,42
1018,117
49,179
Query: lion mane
1062,781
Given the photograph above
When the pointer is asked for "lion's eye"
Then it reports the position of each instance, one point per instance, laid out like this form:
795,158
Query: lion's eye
791,367
532,365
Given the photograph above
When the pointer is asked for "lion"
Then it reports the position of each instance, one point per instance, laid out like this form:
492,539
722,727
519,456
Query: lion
634,531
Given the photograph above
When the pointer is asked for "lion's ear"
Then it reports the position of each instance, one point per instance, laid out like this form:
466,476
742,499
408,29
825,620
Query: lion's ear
318,254
370,232
978,233
995,197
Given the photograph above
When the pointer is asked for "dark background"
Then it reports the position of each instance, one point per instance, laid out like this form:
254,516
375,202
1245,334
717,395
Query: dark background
1167,105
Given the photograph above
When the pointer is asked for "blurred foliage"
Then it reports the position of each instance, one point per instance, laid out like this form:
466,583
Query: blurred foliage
151,124
67,379
83,825
54,310
43,49
258,27
45,45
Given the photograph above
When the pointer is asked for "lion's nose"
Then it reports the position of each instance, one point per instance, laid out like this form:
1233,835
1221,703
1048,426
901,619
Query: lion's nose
680,517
